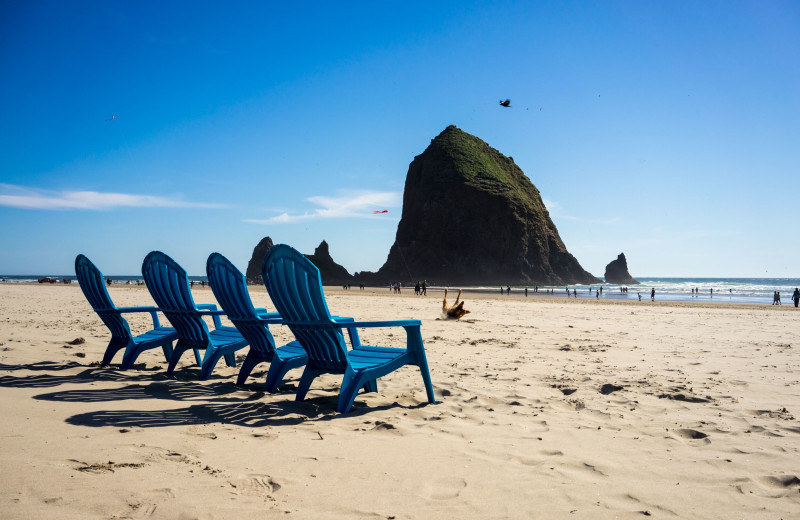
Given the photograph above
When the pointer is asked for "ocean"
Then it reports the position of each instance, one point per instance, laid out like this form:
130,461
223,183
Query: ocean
712,290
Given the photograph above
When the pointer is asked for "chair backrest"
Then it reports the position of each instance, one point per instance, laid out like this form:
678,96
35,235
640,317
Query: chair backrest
294,286
169,286
230,288
93,286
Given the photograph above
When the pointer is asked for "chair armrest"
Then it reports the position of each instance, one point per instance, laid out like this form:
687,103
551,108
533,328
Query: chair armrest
209,309
138,309
152,310
270,318
414,343
373,324
355,340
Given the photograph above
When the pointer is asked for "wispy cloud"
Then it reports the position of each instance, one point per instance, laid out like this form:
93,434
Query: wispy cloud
357,204
555,210
31,198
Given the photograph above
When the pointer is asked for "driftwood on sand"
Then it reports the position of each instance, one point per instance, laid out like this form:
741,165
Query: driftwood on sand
456,311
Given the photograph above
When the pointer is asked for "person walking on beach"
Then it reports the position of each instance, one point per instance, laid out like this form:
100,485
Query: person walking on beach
796,296
778,298
424,287
653,294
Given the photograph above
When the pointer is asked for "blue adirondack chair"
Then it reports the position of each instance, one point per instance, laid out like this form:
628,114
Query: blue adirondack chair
230,288
94,288
294,286
169,287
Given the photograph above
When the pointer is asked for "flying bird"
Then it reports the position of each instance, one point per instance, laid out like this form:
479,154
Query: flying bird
506,103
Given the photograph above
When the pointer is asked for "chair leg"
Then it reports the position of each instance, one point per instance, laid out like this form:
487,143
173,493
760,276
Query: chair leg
130,356
305,382
209,362
415,346
111,350
197,357
426,378
371,386
177,352
167,350
277,369
230,359
351,384
249,364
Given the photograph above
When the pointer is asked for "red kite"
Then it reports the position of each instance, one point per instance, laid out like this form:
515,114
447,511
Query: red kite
380,211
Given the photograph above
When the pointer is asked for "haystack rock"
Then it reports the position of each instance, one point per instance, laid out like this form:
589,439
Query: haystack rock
331,272
472,217
617,272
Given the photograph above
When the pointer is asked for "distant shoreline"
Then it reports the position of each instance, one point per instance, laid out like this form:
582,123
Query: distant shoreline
695,291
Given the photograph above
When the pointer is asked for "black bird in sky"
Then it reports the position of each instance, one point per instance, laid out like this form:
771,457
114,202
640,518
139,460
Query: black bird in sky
506,103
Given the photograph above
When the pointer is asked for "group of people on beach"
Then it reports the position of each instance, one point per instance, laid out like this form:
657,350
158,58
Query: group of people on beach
421,289
346,286
776,297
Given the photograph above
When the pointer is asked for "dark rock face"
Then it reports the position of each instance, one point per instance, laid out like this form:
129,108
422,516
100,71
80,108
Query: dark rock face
253,273
331,272
617,272
472,217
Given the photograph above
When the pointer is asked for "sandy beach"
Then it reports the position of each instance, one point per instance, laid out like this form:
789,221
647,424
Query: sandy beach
548,409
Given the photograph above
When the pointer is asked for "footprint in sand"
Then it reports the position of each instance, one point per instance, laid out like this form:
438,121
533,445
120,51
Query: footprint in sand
381,425
255,485
770,486
689,434
106,467
782,481
609,388
444,488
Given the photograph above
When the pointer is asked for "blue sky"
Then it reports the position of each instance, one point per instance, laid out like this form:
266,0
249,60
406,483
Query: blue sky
669,131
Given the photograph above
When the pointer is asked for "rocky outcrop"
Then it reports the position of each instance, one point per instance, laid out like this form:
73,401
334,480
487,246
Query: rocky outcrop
331,272
617,272
472,217
253,273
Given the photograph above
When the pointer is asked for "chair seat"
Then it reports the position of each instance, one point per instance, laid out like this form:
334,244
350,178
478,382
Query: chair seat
225,336
290,350
159,334
365,357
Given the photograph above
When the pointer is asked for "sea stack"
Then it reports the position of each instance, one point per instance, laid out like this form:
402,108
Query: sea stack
617,272
330,272
253,273
472,217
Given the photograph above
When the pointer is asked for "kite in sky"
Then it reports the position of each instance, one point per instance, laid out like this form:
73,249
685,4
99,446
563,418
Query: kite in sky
112,118
380,211
506,103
